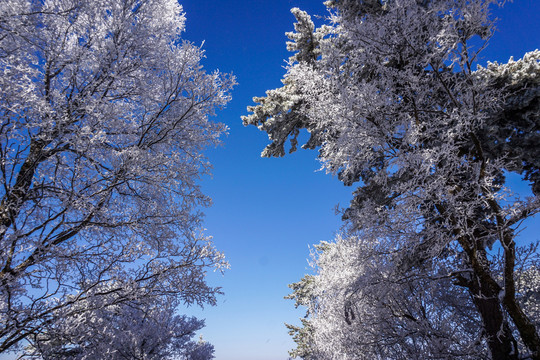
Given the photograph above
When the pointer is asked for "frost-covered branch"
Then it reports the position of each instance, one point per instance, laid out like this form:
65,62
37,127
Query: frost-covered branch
104,117
395,108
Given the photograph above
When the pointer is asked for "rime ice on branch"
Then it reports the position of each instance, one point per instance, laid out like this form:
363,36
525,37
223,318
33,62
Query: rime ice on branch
105,113
392,97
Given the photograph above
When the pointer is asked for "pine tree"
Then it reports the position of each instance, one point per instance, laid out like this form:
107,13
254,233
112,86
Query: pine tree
394,101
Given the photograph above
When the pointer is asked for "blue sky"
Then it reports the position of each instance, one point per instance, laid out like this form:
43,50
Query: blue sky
267,212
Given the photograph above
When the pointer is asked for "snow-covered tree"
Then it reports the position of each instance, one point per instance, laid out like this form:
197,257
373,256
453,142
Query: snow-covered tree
392,96
104,115
359,308
126,331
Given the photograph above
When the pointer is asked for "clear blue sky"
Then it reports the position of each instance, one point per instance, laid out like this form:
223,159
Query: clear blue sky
267,212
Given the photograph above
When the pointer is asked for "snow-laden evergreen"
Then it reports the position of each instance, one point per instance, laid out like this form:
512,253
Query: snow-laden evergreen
391,95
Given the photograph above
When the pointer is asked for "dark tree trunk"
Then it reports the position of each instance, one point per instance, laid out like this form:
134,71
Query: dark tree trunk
485,293
500,340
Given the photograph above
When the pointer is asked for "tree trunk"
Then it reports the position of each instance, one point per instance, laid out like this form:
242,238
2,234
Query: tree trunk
526,328
500,340
485,295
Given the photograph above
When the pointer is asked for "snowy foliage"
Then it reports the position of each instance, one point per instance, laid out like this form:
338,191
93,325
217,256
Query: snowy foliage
126,331
361,309
360,306
105,113
392,96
